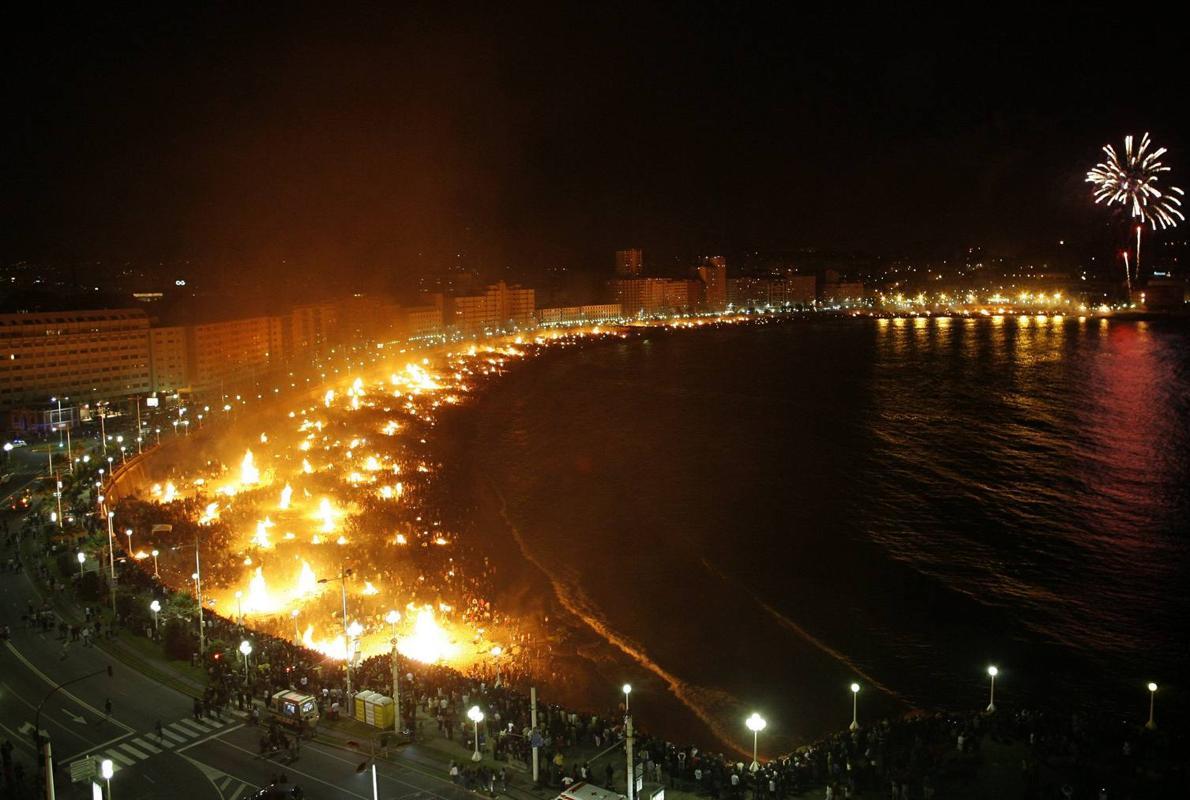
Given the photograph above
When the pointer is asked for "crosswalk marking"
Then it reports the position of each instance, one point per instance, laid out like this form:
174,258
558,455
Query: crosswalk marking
145,744
185,725
127,753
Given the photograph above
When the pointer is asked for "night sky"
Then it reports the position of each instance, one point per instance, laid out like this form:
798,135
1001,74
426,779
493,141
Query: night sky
349,142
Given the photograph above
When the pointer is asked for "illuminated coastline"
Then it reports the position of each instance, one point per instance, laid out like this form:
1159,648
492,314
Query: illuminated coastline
342,481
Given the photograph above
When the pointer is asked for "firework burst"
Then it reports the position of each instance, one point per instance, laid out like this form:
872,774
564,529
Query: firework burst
1131,180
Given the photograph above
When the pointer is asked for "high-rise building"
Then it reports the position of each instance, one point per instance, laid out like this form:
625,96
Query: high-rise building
630,263
713,274
656,295
168,359
312,328
498,306
222,353
88,355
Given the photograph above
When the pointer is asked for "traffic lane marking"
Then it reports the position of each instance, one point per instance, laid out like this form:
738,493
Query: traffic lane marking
288,768
65,692
93,748
381,773
19,739
48,719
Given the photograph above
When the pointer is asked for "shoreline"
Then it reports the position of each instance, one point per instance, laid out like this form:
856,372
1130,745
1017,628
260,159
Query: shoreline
589,644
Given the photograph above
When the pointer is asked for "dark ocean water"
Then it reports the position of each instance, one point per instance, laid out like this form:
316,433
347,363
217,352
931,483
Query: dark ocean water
752,517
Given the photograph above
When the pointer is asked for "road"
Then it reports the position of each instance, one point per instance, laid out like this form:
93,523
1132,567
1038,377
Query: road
205,759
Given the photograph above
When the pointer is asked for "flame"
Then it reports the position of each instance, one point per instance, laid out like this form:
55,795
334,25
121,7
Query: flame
401,539
328,398
417,379
249,474
369,589
306,468
171,492
307,582
428,643
210,514
258,598
327,515
264,438
261,539
372,464
286,493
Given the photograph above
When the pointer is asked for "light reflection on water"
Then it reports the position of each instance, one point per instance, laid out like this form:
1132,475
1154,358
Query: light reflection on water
909,498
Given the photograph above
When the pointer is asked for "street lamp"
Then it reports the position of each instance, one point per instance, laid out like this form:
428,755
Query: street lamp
1152,723
627,690
82,560
107,770
756,724
392,618
246,649
128,533
476,716
156,553
854,707
992,673
155,607
343,574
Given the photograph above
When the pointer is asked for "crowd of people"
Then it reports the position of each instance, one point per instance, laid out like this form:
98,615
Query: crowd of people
918,756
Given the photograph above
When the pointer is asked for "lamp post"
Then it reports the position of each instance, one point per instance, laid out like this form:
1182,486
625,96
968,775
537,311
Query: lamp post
246,649
343,573
992,673
629,759
392,618
111,555
476,716
58,494
412,688
128,533
240,608
107,770
854,707
58,425
1152,723
82,560
756,724
45,759
156,553
155,607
